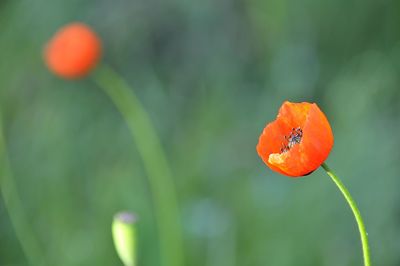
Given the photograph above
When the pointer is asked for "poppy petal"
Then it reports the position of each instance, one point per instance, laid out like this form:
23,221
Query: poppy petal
308,151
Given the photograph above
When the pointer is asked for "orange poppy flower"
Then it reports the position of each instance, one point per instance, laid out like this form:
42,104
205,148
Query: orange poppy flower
73,51
298,141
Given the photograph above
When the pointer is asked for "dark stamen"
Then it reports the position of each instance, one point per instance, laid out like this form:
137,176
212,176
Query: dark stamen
293,139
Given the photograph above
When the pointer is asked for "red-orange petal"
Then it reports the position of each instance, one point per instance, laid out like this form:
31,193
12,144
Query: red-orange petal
310,153
73,51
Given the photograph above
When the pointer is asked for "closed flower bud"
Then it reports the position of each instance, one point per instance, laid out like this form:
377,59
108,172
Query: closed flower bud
124,235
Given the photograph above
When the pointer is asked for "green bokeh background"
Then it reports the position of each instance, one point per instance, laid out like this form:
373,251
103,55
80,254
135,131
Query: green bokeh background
210,73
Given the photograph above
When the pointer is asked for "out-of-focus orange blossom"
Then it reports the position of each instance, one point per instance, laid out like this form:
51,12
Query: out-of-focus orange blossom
73,51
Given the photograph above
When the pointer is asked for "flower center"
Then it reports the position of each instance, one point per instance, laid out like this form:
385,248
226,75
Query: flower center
294,138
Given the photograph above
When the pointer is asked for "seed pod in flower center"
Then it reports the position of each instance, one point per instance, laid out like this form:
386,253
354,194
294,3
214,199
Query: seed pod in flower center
293,139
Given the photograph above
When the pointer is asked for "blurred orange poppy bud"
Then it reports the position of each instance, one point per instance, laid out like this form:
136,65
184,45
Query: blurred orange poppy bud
298,141
73,51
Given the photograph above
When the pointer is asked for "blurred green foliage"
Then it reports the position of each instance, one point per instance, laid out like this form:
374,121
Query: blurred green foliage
211,74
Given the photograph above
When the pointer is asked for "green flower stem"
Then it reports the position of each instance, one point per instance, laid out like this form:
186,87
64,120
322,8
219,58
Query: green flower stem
356,212
12,202
154,160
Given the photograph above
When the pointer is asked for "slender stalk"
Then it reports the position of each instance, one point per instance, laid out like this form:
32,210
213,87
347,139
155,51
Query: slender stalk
12,202
154,160
356,212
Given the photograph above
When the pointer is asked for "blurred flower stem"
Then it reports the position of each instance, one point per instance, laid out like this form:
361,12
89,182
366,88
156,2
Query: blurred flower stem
12,202
155,163
356,212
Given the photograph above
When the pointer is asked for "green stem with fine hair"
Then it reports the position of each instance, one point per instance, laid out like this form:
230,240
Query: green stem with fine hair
154,160
12,202
356,212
